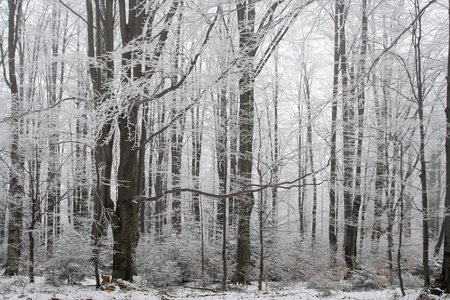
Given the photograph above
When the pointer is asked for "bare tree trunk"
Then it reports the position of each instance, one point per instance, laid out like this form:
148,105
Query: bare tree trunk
245,202
332,230
434,191
400,225
197,137
141,169
446,259
34,168
437,247
276,146
16,177
53,174
307,92
177,137
176,145
348,135
390,199
126,224
361,103
222,154
300,172
261,210
160,178
417,37
100,45
81,193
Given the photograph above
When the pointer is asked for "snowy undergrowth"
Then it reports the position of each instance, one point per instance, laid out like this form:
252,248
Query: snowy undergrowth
19,288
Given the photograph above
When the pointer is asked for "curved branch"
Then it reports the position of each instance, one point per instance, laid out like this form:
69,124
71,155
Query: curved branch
246,190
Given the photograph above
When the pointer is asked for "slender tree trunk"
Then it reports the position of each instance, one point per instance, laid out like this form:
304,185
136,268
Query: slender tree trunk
332,230
307,86
221,153
34,168
300,171
176,145
276,147
417,37
141,170
261,231
400,225
160,179
81,193
446,259
197,137
390,198
361,103
177,138
53,174
437,247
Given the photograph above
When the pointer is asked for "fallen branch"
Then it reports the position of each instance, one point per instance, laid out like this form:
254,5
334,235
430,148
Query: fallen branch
202,289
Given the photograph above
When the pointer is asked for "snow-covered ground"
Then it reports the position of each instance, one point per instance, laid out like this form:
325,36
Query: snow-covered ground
19,288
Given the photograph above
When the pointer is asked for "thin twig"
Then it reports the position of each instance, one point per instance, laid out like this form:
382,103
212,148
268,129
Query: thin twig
74,12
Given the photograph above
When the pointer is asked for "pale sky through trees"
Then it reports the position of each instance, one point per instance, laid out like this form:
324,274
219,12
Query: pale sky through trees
225,141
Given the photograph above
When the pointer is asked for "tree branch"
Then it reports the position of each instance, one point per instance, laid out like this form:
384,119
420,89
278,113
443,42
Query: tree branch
74,12
246,190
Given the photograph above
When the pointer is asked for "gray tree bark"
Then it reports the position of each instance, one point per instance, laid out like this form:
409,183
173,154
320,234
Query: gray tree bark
16,176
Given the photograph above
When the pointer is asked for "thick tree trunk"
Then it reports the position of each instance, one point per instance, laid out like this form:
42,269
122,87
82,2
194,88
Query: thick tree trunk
126,222
100,45
245,202
16,177
125,225
348,137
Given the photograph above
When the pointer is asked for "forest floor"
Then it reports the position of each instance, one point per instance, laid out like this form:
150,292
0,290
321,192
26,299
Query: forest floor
19,288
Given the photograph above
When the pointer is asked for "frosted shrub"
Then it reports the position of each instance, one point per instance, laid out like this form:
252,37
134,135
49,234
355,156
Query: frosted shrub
163,274
282,263
411,282
291,260
175,260
70,260
365,279
435,267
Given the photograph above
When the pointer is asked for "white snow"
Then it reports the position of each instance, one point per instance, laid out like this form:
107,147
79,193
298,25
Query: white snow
19,288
